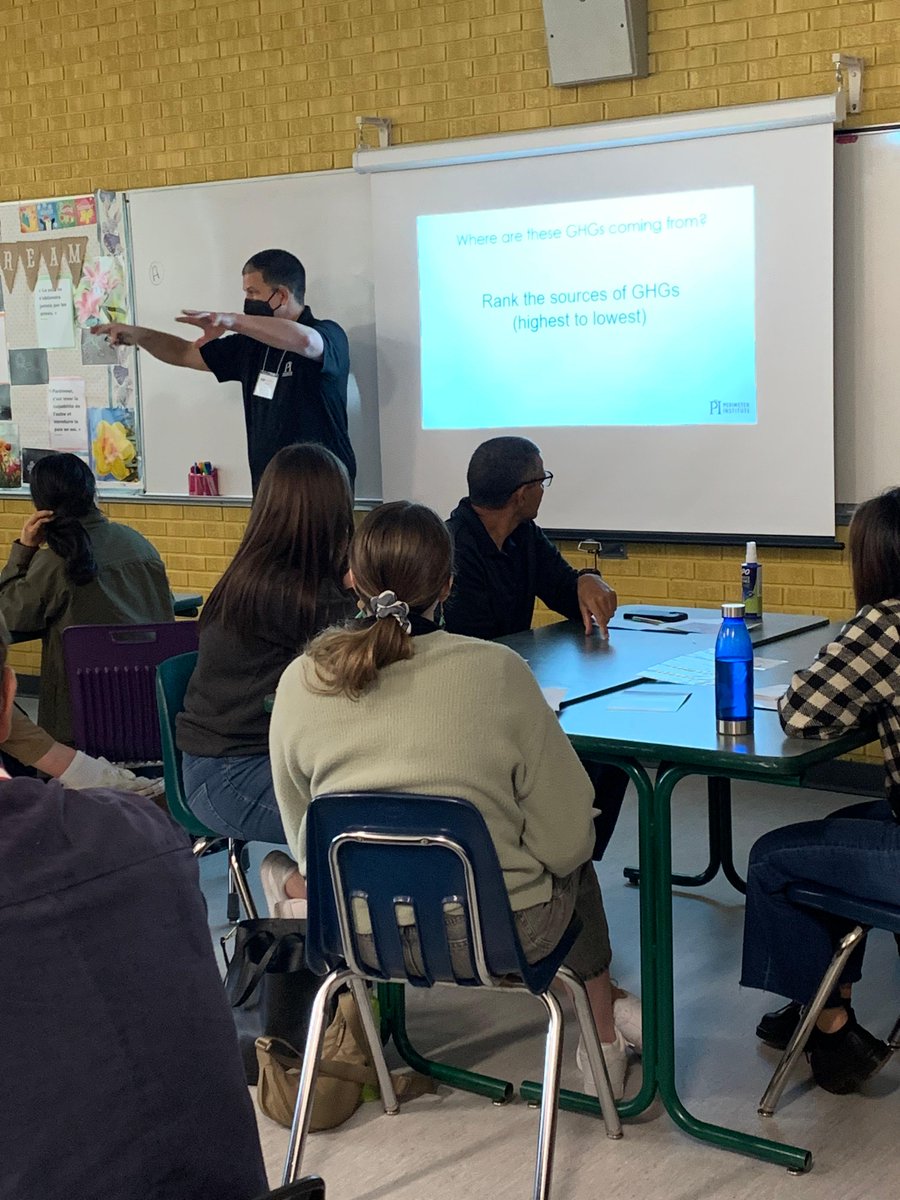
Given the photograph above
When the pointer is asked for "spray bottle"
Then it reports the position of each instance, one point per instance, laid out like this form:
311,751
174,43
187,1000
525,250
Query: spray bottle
751,583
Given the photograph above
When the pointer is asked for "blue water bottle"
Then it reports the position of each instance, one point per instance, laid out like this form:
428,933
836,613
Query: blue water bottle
734,674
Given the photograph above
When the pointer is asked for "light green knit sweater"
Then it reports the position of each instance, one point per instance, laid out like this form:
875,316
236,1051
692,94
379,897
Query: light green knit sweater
463,718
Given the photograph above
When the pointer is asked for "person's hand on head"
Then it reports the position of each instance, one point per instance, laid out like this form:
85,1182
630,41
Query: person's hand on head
118,334
212,324
33,533
597,601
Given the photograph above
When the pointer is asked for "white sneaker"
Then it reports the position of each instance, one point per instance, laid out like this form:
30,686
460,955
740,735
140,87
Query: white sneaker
87,772
615,1055
273,871
629,1021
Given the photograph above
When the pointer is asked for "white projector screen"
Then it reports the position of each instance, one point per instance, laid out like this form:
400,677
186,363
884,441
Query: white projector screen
657,318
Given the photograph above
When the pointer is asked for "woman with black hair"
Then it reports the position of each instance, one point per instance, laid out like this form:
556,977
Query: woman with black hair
71,566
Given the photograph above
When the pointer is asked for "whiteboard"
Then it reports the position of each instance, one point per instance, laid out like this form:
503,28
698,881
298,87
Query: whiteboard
189,244
866,313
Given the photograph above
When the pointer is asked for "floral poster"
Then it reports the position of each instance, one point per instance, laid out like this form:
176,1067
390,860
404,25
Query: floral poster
100,295
10,455
113,443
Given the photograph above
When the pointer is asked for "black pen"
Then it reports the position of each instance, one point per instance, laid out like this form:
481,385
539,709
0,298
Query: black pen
657,627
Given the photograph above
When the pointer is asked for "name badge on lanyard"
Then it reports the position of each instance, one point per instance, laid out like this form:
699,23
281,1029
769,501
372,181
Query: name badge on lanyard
267,381
266,384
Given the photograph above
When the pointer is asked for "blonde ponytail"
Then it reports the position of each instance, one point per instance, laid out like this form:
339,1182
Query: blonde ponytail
348,660
400,549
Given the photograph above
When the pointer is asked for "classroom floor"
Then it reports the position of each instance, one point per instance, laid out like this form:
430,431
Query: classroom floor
455,1144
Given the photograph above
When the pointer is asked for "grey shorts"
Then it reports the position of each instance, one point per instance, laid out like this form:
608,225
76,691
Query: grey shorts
539,928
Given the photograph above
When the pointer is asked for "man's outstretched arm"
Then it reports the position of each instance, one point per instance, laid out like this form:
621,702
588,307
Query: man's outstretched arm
165,346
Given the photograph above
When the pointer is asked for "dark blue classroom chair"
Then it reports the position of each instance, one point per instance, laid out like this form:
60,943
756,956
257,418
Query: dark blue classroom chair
172,678
385,851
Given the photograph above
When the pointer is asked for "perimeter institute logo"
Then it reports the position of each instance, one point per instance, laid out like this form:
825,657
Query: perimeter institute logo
288,369
726,408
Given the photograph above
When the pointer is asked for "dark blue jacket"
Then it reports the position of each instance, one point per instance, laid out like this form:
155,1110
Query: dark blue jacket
119,1064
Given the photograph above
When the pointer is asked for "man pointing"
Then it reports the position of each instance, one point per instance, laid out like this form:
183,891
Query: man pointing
292,367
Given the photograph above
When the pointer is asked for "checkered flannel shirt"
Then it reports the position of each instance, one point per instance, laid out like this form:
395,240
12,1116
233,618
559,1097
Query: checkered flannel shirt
854,681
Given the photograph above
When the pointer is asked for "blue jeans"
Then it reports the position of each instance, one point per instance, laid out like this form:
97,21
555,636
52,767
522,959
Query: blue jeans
234,796
787,948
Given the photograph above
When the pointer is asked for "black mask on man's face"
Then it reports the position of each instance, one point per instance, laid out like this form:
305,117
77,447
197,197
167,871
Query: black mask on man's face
259,308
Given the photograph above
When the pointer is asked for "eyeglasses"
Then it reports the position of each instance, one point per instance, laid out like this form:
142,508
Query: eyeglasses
544,480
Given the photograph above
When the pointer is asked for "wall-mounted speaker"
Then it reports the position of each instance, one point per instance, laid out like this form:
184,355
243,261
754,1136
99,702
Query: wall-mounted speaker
596,39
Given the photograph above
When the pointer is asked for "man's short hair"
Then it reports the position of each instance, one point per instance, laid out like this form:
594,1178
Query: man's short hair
279,268
498,467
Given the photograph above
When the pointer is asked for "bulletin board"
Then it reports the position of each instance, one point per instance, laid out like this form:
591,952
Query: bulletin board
64,267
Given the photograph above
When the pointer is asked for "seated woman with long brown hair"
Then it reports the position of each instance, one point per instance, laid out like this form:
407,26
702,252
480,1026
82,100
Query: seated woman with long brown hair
855,681
283,585
395,703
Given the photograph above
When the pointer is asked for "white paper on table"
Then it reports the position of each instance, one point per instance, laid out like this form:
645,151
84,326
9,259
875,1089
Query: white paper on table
698,668
67,412
554,696
4,352
768,697
647,700
54,313
699,624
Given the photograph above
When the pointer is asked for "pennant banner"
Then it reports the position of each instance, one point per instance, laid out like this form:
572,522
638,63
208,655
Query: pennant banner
51,253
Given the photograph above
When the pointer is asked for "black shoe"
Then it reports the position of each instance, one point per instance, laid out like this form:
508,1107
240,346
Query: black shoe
777,1028
843,1060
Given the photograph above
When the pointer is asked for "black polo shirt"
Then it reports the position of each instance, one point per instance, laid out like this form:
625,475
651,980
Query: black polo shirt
310,400
494,590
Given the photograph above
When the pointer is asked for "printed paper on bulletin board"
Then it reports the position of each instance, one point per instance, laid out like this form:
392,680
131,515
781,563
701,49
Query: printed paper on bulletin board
63,267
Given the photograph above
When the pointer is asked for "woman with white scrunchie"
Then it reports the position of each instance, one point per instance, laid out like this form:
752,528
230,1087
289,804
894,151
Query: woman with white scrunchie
393,702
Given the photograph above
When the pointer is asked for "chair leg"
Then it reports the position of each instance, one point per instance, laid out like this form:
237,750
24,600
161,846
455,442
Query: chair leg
318,1019
549,1098
361,996
236,869
797,1044
202,844
591,1041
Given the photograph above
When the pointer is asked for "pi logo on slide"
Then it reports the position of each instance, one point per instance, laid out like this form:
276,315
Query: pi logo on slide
715,408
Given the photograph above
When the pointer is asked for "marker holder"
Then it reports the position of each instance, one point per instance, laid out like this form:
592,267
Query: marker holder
205,484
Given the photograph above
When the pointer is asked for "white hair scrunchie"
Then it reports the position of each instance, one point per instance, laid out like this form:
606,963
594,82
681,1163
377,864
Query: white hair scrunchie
387,605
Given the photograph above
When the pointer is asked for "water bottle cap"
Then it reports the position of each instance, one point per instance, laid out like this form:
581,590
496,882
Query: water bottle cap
733,610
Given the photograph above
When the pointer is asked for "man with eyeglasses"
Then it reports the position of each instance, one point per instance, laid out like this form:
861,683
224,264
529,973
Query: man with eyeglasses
503,561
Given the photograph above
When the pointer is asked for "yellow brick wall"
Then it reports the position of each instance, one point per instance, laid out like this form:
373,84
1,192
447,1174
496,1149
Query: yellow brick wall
139,93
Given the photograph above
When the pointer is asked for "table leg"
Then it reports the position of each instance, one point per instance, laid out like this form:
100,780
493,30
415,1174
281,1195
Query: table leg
711,870
577,1101
392,1006
721,851
720,789
793,1157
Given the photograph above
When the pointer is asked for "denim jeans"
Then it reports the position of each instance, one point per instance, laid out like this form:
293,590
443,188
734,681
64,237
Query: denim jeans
787,948
234,796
